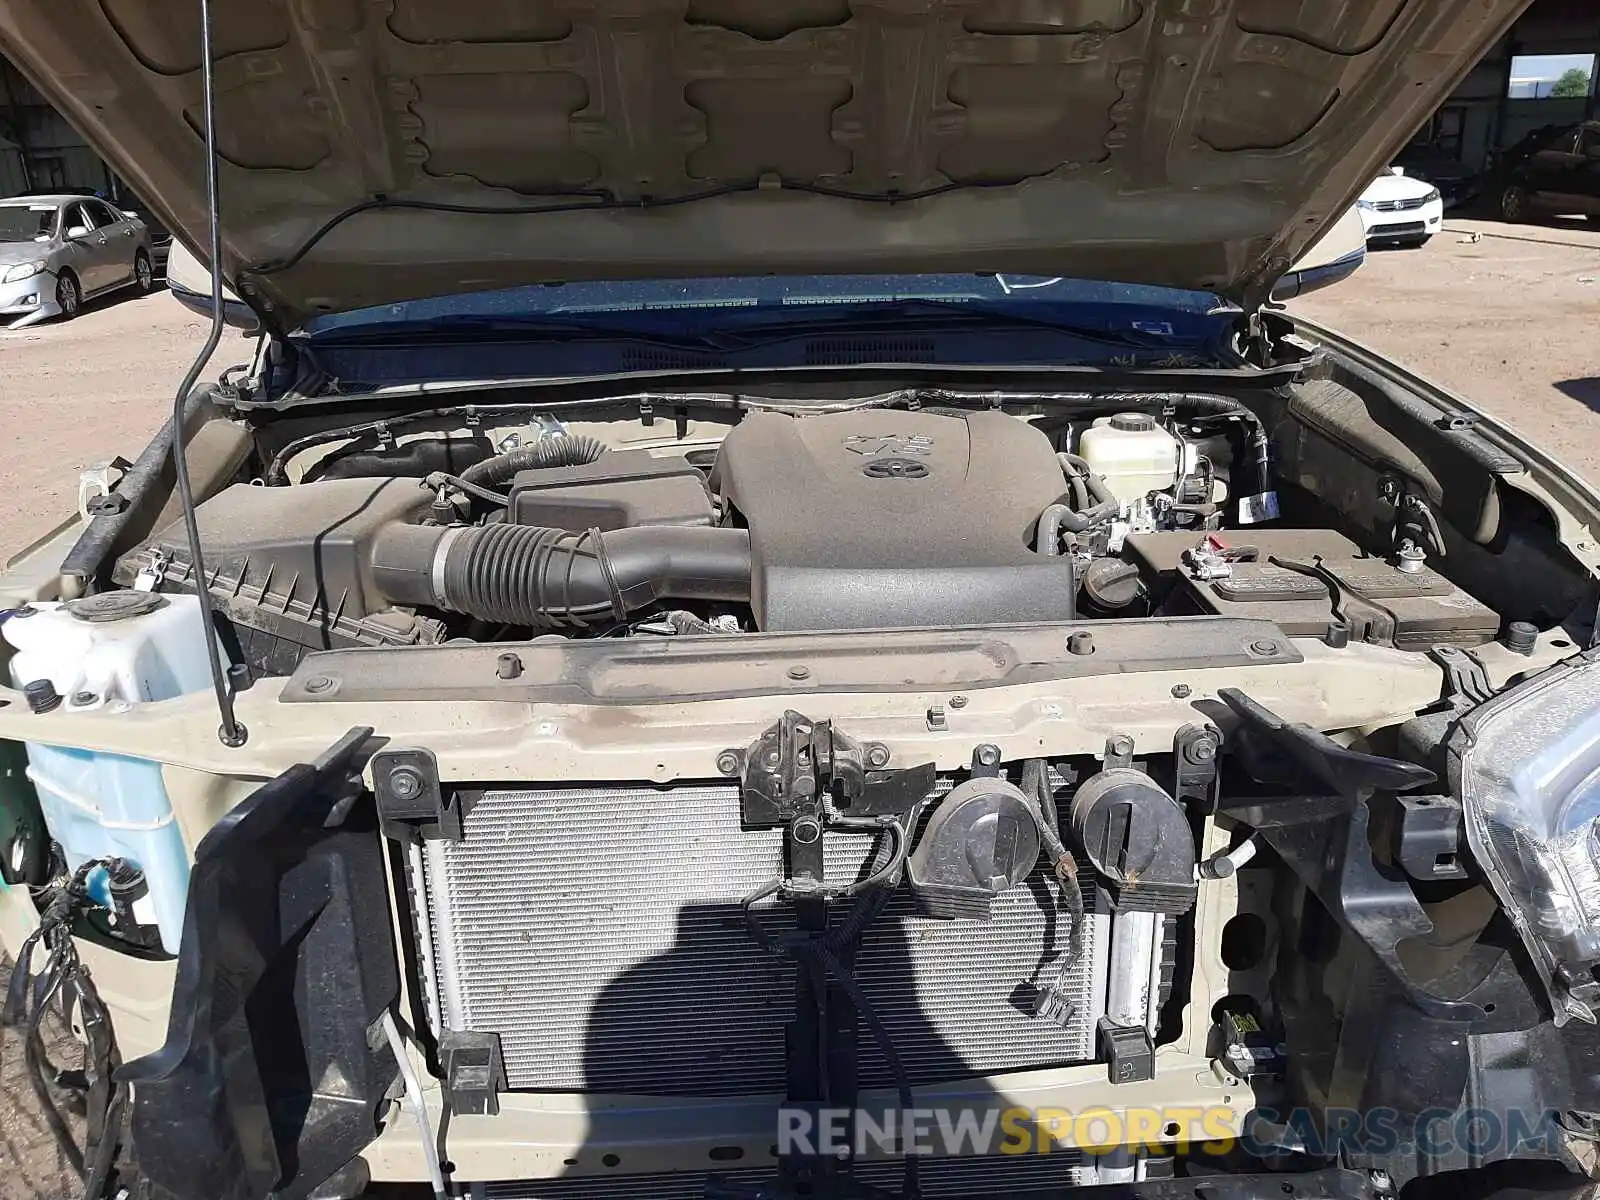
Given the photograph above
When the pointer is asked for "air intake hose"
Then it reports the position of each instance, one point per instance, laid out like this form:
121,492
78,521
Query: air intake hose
554,578
565,451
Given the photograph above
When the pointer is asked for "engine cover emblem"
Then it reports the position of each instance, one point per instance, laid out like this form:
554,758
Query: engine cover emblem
895,468
870,444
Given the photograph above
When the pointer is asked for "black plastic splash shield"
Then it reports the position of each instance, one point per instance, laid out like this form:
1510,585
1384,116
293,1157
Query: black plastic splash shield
268,1082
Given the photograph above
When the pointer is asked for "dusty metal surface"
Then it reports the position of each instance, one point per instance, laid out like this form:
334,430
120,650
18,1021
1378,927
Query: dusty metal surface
1193,145
796,665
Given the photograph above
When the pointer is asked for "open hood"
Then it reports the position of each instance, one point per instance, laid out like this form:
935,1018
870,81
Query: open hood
375,152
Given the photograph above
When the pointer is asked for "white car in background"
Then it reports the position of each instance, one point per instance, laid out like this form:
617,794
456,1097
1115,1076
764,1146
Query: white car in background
1399,210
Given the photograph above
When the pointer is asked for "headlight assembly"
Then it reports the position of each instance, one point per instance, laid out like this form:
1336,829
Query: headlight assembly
1433,194
1529,765
22,271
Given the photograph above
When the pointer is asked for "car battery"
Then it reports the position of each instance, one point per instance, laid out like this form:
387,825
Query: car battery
1238,579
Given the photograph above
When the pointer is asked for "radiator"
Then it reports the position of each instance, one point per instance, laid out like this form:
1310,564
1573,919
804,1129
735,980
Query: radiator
597,931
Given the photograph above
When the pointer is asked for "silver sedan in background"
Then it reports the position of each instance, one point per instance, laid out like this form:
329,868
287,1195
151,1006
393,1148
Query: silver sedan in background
58,251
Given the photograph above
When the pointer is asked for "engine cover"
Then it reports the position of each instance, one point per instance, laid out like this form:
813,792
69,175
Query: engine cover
883,519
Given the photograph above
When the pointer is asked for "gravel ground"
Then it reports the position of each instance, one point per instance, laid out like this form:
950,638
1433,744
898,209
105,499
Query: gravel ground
86,391
31,1166
1507,317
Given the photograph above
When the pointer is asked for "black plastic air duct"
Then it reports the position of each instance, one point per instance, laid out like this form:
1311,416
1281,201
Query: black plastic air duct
555,578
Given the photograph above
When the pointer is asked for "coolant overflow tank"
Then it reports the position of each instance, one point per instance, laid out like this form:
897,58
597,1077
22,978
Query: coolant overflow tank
1133,454
1138,840
980,841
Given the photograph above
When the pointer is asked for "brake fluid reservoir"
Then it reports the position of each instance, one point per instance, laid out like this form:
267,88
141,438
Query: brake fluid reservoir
115,648
1133,454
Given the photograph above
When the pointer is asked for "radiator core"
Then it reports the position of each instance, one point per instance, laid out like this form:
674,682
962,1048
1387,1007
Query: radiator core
597,930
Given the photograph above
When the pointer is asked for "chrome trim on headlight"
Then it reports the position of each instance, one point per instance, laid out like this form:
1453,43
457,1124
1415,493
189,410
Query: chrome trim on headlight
1529,763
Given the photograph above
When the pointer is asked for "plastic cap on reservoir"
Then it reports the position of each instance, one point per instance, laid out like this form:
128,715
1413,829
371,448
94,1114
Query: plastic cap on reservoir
42,695
1522,637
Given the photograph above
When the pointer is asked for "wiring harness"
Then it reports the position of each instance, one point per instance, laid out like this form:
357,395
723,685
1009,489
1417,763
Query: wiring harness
48,971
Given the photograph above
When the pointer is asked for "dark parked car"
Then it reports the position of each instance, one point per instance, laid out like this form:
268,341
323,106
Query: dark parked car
160,235
1553,170
1457,182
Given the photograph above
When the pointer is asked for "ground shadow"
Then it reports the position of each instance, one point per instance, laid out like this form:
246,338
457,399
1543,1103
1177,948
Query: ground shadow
719,1015
1486,207
1585,391
123,295
101,303
35,1167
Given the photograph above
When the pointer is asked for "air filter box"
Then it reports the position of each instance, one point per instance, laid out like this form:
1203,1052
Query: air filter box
619,490
288,567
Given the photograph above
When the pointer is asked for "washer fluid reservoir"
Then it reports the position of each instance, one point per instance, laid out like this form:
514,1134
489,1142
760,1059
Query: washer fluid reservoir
111,651
1133,453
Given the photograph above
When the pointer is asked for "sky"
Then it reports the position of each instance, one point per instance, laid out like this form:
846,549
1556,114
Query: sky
1549,66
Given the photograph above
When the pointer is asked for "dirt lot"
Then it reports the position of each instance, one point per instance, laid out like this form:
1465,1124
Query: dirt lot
31,1167
1510,321
1509,318
86,391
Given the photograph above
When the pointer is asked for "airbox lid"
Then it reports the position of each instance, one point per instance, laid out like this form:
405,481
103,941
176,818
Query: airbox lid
619,490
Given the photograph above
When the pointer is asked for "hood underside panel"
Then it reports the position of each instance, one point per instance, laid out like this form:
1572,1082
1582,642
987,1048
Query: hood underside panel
1196,143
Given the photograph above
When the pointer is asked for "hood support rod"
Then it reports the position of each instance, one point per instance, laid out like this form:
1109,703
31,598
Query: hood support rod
231,732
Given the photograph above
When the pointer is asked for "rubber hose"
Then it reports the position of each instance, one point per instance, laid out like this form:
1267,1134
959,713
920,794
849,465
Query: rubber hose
141,493
1204,402
1095,483
1226,405
1048,541
555,578
565,451
1106,505
1080,492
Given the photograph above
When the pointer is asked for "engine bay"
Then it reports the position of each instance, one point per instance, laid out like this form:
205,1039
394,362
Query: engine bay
1034,748
1012,709
943,513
